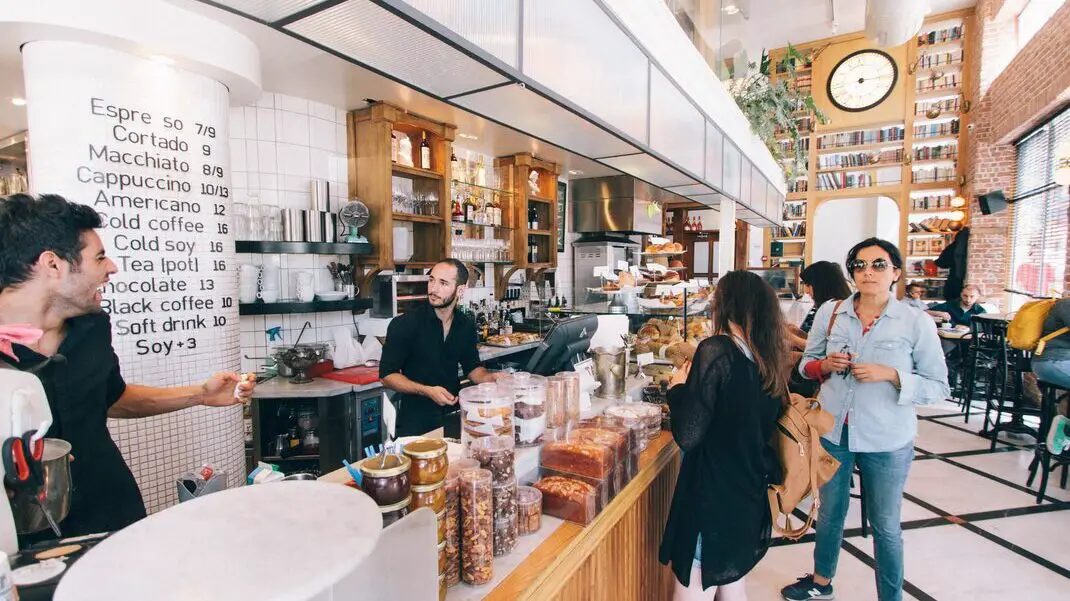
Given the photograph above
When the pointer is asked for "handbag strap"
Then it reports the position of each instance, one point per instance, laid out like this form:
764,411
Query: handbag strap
832,322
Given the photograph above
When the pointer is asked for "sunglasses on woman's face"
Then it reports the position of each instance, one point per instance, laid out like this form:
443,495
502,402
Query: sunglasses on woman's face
860,265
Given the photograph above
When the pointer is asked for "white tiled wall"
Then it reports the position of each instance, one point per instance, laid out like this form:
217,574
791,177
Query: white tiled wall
278,146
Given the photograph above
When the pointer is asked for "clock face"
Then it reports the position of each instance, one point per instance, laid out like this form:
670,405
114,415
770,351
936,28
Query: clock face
862,80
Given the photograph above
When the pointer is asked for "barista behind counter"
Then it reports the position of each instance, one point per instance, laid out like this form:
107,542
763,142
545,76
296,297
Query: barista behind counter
423,349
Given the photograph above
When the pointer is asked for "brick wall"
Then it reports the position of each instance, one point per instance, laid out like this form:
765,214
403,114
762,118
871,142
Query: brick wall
1011,92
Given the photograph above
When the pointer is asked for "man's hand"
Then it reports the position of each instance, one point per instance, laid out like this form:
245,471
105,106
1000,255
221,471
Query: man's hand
680,375
440,395
835,363
219,390
873,372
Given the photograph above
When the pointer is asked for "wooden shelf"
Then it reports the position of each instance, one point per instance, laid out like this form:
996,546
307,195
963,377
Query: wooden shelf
417,218
941,138
958,42
867,191
303,248
917,162
861,168
859,147
943,210
542,200
538,233
943,115
357,304
935,185
415,264
948,90
928,234
411,297
791,240
415,172
795,196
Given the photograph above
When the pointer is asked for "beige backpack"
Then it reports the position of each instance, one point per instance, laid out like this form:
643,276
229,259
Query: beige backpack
806,464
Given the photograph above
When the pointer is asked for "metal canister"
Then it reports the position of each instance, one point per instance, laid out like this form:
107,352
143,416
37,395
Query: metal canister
321,195
292,231
312,225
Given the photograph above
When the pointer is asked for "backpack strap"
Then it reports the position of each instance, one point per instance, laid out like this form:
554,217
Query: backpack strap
815,491
1044,340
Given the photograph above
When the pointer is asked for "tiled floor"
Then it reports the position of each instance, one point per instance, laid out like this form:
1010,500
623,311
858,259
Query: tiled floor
993,543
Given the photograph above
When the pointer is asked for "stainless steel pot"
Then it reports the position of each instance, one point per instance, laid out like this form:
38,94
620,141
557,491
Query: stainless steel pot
56,465
610,370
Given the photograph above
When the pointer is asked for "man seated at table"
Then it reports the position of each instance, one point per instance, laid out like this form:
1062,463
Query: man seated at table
915,294
959,313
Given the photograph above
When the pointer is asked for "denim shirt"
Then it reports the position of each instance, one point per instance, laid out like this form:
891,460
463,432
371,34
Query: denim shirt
882,417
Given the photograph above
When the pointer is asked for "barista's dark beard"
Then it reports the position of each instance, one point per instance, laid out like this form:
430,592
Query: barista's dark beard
445,303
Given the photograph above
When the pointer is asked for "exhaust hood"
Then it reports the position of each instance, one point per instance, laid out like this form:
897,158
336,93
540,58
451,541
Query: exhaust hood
621,204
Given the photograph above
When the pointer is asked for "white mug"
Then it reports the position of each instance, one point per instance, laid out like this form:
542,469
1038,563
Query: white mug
305,290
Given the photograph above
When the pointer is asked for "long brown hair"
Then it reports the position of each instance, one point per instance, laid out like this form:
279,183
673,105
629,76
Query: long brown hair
748,301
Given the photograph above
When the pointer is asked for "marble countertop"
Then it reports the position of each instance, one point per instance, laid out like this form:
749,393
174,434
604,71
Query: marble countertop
282,388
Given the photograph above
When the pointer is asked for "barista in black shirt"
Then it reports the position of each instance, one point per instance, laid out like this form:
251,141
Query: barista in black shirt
423,348
52,270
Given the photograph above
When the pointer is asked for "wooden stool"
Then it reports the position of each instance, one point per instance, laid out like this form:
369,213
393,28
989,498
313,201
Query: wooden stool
1042,458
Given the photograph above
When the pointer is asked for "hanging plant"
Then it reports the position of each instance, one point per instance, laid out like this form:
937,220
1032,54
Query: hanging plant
771,106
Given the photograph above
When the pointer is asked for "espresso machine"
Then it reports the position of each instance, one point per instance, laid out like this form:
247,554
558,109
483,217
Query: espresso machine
23,408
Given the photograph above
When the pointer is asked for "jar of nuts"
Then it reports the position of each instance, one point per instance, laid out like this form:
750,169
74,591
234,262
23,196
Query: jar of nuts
477,527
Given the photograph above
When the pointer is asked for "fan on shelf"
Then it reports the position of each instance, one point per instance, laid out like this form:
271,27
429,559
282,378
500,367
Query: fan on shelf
354,215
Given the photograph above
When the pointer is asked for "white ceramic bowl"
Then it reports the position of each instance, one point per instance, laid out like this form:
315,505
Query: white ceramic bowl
330,295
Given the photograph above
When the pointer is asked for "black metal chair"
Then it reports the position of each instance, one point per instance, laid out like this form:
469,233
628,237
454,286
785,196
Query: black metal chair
981,357
1005,390
1042,457
861,496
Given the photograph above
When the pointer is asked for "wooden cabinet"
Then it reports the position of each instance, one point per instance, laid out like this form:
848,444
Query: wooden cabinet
516,174
424,200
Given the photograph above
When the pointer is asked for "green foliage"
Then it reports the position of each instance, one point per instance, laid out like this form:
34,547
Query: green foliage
770,106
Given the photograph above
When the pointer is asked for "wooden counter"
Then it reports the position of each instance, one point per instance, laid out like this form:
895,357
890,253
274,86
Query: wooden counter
616,555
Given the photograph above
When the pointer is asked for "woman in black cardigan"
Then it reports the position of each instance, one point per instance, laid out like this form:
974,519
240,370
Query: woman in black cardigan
724,407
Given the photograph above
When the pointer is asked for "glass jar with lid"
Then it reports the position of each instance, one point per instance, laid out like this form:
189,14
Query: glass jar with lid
385,479
429,495
528,394
429,461
486,410
393,513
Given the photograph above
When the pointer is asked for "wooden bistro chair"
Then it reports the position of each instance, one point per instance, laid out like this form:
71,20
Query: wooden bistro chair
981,357
1005,388
1042,458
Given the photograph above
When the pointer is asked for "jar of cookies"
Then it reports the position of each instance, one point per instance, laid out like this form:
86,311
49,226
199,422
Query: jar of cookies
528,392
429,461
529,509
477,526
486,410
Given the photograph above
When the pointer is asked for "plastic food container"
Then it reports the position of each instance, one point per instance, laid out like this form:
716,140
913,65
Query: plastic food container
601,487
429,495
486,410
528,392
386,485
477,527
505,535
572,394
568,498
393,513
634,434
504,497
529,510
453,521
496,453
429,461
585,459
556,394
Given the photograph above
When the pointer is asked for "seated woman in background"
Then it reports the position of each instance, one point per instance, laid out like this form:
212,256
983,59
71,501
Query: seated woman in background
724,410
823,281
959,313
1053,366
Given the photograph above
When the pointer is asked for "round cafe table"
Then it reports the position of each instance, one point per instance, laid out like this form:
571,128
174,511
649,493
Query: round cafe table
285,541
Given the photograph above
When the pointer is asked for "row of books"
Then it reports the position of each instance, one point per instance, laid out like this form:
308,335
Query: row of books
858,138
860,159
947,105
948,34
926,203
924,175
951,80
795,230
839,181
788,146
943,151
940,59
936,130
927,246
797,185
794,210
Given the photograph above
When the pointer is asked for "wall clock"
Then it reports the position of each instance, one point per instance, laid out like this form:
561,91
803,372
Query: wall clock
862,80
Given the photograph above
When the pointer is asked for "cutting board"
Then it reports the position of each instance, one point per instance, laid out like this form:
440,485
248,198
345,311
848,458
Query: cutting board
355,375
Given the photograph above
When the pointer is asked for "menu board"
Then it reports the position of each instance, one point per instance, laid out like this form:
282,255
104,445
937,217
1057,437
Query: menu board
146,146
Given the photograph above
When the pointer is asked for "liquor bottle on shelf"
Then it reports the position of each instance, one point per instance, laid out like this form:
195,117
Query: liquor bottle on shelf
458,209
699,224
456,171
469,209
533,251
481,172
563,304
533,218
394,142
425,151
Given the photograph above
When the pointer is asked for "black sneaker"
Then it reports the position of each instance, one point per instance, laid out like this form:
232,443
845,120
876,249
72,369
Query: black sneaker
805,588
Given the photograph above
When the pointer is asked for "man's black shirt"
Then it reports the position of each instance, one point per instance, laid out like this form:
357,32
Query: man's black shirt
82,382
415,348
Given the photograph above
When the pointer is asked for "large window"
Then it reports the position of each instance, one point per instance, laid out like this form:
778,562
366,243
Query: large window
1042,216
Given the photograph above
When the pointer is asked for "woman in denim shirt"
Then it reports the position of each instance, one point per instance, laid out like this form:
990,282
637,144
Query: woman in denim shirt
881,358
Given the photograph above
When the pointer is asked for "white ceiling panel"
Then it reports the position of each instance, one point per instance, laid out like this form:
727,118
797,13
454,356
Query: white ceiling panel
375,37
731,166
534,114
757,190
577,51
714,154
269,10
493,25
710,200
692,190
677,128
649,169
744,186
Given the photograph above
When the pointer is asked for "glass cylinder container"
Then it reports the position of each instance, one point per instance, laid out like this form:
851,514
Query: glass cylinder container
486,410
556,394
453,519
477,527
429,461
496,454
529,509
505,535
528,392
572,394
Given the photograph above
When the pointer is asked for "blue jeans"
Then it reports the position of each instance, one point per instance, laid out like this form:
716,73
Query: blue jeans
884,475
1056,372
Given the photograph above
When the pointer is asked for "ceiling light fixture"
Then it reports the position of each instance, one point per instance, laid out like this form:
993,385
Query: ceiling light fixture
730,9
575,172
162,59
18,101
467,136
